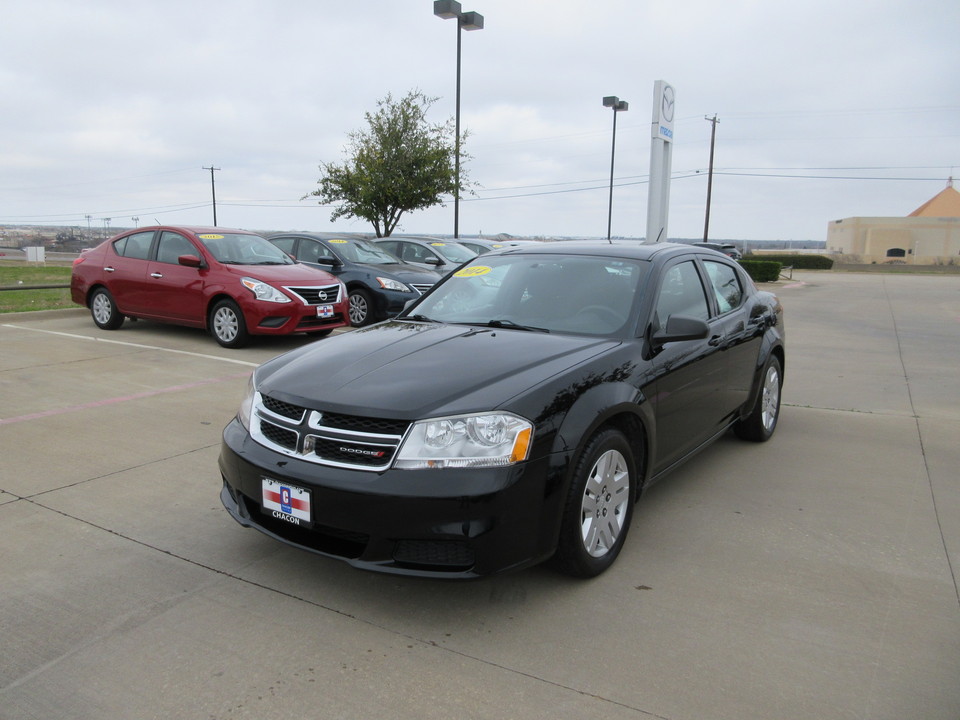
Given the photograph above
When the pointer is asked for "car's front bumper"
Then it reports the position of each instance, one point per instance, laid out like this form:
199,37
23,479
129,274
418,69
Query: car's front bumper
433,523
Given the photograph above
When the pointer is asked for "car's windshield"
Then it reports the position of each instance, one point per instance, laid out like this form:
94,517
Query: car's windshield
453,252
243,249
590,295
362,251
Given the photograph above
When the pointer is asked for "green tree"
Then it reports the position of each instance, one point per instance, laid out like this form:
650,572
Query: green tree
399,164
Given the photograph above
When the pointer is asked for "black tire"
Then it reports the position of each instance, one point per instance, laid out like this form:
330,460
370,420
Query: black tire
227,324
360,307
104,310
599,506
761,423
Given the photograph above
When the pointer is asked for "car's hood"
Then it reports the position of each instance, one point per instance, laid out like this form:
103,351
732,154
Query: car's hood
415,370
298,274
407,272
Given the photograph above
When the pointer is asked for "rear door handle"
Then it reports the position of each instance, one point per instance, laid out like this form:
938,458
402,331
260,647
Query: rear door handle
156,275
108,269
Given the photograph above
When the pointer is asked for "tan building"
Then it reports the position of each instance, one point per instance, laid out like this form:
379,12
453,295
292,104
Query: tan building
930,235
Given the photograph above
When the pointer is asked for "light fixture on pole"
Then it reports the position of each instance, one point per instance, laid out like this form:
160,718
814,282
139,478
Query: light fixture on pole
618,105
448,9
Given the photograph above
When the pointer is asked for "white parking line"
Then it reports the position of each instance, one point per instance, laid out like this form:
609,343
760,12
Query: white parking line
134,345
115,400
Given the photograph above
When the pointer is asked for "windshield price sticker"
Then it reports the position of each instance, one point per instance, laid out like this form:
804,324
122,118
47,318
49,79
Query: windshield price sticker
339,242
472,271
286,502
210,236
325,311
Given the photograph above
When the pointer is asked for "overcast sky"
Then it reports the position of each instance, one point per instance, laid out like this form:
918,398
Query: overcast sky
827,109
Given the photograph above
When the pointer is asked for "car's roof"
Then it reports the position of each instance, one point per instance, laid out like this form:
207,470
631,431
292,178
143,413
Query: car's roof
197,229
425,239
631,250
321,235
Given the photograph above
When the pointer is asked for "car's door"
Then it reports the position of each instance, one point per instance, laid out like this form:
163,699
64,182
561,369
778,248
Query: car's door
125,271
174,291
690,375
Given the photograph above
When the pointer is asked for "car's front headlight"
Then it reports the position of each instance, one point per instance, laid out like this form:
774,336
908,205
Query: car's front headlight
263,291
484,440
390,284
246,405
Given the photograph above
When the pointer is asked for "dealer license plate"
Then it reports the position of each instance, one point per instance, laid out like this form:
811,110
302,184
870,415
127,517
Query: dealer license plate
287,502
325,311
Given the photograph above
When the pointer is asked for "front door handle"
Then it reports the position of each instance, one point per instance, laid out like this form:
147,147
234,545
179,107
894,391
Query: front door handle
715,340
156,275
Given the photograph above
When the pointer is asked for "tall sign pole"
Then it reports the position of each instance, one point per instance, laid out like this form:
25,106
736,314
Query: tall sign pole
661,159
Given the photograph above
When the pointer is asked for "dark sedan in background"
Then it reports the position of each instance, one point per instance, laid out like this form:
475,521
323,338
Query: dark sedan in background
378,284
427,252
513,414
231,282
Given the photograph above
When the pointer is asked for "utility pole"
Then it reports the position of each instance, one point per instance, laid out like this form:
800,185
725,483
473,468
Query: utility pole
713,139
213,191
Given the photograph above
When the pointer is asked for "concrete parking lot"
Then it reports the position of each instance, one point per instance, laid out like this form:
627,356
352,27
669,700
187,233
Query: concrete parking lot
814,576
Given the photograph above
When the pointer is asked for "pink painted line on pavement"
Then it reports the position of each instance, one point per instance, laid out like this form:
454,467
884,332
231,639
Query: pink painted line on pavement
114,401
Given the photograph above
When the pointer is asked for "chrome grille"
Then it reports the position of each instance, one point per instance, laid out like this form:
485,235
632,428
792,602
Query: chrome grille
294,412
320,295
336,439
420,287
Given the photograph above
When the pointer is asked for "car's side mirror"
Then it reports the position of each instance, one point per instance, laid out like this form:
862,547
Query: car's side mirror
190,261
331,261
433,261
680,328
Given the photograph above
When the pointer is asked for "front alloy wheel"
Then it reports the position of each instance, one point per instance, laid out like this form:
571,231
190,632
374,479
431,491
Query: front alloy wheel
599,506
359,307
227,324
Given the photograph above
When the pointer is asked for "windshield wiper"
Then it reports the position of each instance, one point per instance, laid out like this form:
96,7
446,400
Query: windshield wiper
420,318
510,324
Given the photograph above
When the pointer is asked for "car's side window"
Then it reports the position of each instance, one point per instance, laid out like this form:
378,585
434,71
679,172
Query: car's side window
681,293
393,248
311,251
284,244
135,246
726,285
172,245
410,252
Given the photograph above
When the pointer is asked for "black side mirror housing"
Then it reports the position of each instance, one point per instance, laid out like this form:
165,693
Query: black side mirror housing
680,328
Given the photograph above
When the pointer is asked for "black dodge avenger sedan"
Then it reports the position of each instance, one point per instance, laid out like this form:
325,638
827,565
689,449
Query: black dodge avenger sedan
511,415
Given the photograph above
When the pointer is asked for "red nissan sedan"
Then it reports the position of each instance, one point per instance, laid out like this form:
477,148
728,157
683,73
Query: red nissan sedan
232,282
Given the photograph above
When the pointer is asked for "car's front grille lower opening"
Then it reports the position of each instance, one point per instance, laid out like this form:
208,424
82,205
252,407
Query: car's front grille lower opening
321,538
451,555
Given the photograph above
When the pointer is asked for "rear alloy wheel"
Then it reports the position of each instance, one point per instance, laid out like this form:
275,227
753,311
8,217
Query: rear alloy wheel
599,506
227,324
359,307
759,425
104,310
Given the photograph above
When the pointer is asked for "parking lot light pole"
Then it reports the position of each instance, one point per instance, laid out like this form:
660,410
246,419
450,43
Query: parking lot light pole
448,9
618,105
